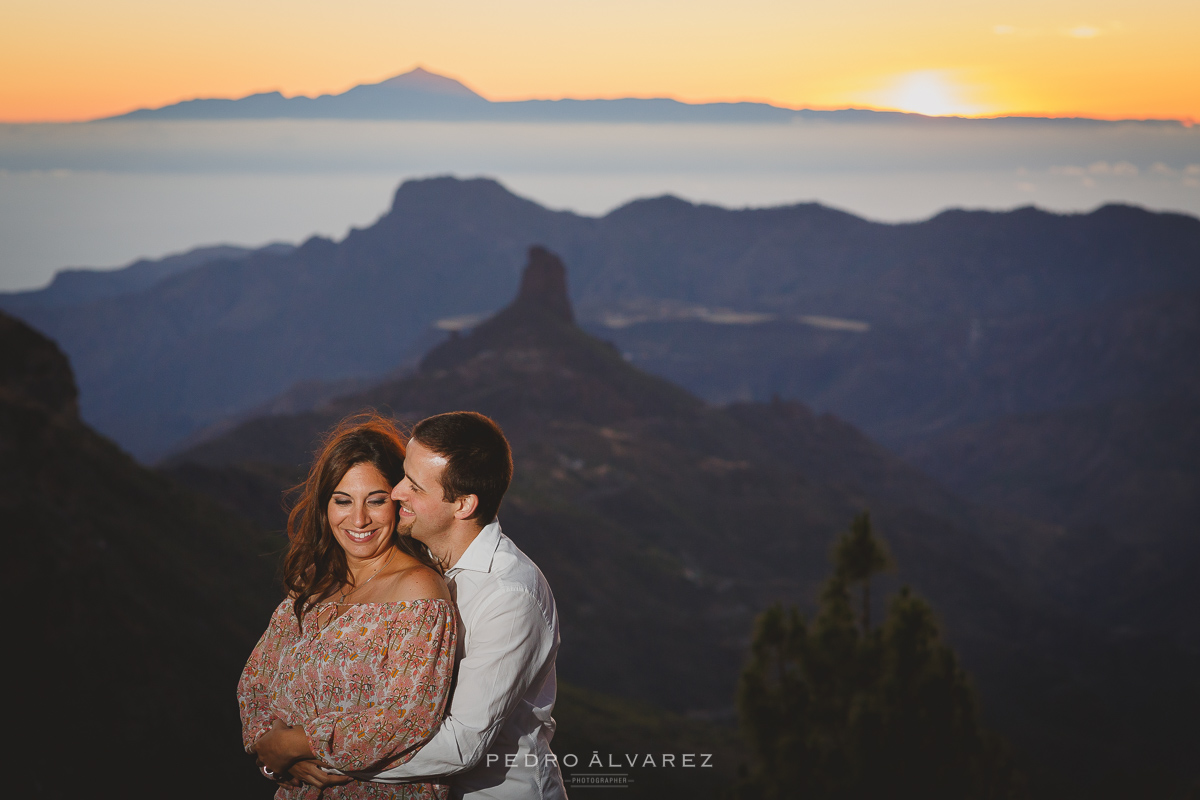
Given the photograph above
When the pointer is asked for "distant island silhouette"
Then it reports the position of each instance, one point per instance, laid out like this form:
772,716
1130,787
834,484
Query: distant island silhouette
423,95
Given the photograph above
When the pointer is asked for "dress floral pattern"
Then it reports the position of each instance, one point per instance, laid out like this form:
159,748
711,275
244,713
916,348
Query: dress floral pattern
368,686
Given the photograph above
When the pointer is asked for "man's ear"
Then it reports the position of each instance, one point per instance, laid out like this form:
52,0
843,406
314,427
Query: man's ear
466,506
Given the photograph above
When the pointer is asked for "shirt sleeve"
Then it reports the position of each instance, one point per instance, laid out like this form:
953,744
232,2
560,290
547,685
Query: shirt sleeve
508,645
254,687
415,668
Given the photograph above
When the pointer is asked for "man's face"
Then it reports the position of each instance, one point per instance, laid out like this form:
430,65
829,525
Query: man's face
423,511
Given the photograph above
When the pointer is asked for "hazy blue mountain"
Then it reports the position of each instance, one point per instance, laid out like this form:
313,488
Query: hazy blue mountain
226,336
423,95
903,381
902,329
80,286
414,95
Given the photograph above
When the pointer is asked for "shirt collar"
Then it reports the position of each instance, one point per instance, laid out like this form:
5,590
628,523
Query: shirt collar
478,555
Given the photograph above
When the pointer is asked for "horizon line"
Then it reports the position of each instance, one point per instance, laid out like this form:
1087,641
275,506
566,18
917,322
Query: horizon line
1186,121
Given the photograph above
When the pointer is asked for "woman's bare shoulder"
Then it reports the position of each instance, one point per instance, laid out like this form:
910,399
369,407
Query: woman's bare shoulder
416,582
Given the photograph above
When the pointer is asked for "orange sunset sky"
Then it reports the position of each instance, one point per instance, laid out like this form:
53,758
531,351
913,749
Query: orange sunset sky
77,59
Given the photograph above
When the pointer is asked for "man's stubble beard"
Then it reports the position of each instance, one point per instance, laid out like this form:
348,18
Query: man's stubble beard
405,529
408,529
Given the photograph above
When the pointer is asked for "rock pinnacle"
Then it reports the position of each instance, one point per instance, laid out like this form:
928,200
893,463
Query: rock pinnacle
544,284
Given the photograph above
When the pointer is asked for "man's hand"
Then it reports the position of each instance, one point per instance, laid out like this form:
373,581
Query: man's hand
310,772
282,746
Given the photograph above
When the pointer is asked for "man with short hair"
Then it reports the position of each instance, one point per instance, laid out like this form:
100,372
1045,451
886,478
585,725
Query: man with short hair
494,743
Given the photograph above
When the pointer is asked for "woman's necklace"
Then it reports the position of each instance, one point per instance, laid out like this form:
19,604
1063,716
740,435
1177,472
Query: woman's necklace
349,592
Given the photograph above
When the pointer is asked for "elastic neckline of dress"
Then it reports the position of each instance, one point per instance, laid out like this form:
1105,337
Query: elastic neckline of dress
386,602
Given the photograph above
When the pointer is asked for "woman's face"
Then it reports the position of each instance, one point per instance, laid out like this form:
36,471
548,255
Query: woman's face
361,513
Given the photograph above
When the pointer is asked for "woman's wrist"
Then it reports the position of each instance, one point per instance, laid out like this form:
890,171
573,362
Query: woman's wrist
282,746
297,746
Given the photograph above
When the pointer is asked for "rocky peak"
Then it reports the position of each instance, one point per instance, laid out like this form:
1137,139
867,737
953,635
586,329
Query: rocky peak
544,284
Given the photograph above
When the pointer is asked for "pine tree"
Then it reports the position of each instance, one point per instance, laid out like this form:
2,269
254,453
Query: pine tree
857,557
776,699
840,711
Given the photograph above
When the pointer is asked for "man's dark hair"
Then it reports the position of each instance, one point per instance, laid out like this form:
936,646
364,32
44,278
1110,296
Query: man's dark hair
478,458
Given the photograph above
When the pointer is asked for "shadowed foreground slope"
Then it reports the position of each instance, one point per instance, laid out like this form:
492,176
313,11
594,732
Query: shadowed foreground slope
135,600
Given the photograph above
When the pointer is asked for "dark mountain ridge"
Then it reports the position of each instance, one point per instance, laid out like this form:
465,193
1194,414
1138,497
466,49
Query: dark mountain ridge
34,372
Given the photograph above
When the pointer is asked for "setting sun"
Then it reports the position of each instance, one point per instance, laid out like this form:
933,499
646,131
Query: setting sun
931,92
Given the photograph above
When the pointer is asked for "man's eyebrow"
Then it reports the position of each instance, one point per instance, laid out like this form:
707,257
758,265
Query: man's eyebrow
414,483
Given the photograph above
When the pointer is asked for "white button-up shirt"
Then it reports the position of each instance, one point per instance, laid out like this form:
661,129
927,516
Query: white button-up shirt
495,740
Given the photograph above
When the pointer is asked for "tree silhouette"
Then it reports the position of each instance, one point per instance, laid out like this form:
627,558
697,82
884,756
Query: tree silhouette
857,557
841,711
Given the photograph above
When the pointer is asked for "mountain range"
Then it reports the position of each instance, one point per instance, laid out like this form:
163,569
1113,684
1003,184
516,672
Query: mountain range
1038,363
964,340
664,524
902,329
423,95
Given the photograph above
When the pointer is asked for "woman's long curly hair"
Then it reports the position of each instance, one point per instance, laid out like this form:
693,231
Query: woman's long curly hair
315,565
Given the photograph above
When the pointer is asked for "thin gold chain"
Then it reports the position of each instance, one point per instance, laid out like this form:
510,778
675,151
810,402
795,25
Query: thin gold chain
342,600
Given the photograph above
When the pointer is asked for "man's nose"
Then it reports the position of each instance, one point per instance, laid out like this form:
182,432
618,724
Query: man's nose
398,491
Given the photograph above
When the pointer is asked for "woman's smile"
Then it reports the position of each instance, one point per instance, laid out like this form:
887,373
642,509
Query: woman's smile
360,536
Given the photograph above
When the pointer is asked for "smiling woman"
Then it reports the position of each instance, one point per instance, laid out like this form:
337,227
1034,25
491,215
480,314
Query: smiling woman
354,669
346,499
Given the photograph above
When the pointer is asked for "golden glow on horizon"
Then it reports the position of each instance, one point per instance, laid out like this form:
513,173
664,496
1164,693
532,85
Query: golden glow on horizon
70,59
932,92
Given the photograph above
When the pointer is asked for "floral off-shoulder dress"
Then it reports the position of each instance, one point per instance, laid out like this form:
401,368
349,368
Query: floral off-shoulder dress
369,687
